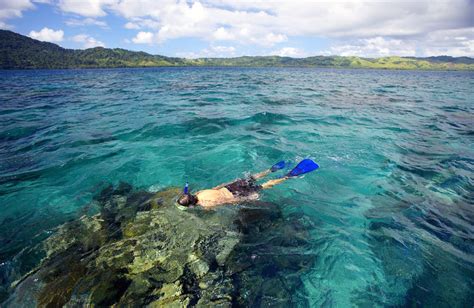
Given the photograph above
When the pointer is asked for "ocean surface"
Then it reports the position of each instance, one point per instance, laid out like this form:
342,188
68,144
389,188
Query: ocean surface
391,208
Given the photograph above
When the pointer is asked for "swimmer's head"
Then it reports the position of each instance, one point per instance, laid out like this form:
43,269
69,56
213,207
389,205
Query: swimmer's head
187,200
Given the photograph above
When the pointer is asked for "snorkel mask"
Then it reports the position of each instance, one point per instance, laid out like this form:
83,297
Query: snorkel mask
187,199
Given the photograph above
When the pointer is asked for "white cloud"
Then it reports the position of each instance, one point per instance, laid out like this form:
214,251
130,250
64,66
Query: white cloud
271,38
12,9
140,8
290,52
352,17
221,34
188,55
143,38
374,27
375,47
87,41
385,26
210,52
458,42
48,35
142,23
9,9
174,19
223,49
5,26
86,22
88,8
131,26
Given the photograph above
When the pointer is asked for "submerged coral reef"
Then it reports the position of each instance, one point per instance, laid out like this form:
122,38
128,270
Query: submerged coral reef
140,249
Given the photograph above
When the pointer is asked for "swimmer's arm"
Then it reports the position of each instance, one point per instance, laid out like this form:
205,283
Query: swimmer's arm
272,183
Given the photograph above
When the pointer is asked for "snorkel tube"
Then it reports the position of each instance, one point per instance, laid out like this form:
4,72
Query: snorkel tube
186,199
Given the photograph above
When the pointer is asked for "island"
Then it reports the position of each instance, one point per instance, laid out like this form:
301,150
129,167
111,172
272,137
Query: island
21,52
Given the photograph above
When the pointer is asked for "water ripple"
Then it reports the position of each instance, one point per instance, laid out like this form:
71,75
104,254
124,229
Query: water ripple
390,211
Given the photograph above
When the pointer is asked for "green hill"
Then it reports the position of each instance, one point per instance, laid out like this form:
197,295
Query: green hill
21,52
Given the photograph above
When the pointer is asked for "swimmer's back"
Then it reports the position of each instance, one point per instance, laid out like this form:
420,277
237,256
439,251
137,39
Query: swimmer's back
213,197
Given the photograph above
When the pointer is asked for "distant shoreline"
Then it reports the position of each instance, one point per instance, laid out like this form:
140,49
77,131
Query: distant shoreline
21,52
238,67
470,69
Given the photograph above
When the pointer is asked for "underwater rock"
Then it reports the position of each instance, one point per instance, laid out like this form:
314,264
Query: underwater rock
170,296
217,290
407,239
267,266
86,233
142,250
199,267
226,246
6,271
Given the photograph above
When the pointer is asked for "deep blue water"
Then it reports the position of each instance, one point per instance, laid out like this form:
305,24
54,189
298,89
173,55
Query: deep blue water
391,207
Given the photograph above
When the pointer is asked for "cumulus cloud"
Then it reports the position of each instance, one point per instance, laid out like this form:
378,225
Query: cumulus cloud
48,35
86,22
223,49
87,8
290,52
87,41
12,9
175,19
375,47
222,34
5,26
375,27
142,23
131,26
457,42
143,37
366,28
210,52
352,17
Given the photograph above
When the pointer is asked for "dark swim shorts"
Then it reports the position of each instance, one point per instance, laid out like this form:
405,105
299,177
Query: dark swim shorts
243,187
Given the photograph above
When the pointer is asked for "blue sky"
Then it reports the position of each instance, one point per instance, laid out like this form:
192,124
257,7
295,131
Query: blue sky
223,28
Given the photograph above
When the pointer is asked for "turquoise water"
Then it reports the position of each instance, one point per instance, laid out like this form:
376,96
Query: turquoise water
391,207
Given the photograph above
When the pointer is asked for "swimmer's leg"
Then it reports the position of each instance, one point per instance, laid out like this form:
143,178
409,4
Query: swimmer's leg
305,166
253,177
256,176
271,183
260,175
279,165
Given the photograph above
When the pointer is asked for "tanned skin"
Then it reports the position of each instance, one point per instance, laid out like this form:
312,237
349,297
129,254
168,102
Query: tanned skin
218,195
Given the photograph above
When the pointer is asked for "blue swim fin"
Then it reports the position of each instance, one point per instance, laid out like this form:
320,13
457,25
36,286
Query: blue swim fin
279,165
305,166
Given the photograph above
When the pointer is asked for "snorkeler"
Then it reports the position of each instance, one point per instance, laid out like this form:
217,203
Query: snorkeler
242,189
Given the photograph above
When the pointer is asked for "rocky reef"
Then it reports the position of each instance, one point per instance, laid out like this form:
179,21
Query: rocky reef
141,249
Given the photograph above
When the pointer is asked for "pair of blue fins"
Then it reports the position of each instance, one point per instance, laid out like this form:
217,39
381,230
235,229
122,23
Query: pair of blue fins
304,166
